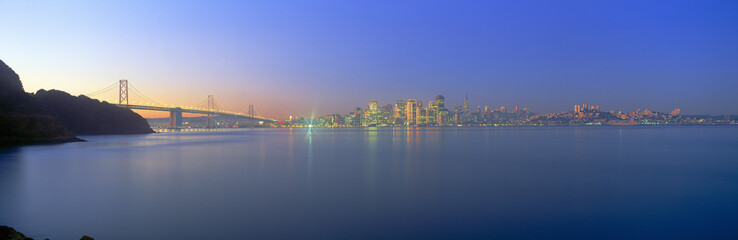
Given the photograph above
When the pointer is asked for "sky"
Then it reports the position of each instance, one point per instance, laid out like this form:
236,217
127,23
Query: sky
323,57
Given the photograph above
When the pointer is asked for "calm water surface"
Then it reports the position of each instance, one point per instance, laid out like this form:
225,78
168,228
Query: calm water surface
504,183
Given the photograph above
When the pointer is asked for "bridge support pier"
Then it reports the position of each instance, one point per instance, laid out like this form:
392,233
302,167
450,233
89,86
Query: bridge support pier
175,118
210,122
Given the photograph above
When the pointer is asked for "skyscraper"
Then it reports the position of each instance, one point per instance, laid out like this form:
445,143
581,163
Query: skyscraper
372,113
466,102
357,115
421,115
410,111
431,112
400,109
373,105
440,102
385,115
440,112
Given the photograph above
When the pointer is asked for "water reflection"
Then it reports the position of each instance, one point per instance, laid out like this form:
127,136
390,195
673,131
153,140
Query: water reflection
378,183
309,139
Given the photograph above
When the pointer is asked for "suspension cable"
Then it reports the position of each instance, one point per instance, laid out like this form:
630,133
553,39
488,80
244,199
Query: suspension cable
105,89
144,96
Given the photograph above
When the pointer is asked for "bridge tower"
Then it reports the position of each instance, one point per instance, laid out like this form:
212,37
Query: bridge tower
251,122
210,123
251,111
123,92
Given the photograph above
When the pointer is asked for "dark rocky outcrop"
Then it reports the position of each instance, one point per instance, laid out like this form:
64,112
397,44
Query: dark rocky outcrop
55,116
8,233
24,120
84,115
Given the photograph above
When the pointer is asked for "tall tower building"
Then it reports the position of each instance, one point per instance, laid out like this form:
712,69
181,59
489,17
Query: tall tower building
420,115
466,102
373,105
400,109
440,102
373,113
410,111
430,112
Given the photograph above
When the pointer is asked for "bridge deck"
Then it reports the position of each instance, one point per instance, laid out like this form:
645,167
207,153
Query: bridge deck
195,111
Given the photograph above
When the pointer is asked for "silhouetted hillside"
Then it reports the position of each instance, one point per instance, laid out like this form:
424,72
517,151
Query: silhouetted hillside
55,116
23,120
84,115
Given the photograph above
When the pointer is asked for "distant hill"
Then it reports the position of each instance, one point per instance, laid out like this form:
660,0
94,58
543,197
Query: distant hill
55,116
24,120
85,116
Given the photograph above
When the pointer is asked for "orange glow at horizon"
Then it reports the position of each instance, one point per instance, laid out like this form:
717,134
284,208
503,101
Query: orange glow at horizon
160,114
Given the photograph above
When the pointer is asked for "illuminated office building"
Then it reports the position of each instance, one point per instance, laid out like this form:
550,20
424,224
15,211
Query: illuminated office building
385,115
373,105
357,117
459,115
431,112
372,114
410,111
400,109
421,116
441,117
440,102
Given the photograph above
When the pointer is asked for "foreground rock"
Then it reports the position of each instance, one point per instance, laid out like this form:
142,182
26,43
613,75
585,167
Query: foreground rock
8,233
24,120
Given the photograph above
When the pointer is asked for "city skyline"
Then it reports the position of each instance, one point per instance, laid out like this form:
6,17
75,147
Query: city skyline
416,112
326,56
436,113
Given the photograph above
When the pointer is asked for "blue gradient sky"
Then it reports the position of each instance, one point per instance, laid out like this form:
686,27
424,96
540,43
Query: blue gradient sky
327,57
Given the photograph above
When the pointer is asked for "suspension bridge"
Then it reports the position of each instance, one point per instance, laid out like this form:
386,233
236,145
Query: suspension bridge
211,109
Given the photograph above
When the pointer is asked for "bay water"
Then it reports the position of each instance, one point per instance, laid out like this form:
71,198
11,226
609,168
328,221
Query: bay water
379,183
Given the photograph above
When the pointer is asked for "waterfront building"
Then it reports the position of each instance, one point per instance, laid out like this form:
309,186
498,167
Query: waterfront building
400,109
421,116
372,114
410,111
357,117
441,117
431,112
440,102
459,115
385,115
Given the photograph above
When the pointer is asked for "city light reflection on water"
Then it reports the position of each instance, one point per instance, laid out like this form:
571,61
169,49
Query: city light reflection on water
570,182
